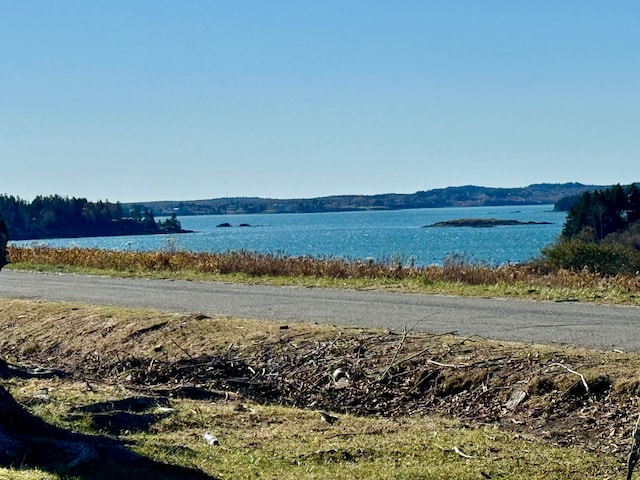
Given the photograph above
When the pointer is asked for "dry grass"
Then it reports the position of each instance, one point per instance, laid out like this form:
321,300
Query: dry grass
557,432
456,276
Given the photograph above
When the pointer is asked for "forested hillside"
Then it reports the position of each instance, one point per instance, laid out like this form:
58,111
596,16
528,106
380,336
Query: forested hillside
55,216
465,196
603,212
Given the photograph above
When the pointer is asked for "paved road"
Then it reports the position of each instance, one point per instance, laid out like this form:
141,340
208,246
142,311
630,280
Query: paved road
520,320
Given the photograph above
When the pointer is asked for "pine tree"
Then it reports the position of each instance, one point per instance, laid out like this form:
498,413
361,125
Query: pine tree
633,202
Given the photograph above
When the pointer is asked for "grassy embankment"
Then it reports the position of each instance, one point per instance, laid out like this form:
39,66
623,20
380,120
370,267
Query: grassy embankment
406,406
412,406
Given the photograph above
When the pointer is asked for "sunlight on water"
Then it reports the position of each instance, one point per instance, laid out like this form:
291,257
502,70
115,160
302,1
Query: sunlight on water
380,235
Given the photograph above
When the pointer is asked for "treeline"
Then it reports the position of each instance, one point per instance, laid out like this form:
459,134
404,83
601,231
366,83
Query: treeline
63,217
603,212
464,196
601,233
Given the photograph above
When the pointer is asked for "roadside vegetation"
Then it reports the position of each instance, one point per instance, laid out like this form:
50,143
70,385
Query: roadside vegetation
601,234
301,401
457,276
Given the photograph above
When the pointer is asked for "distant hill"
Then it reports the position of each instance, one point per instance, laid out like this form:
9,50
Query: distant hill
465,196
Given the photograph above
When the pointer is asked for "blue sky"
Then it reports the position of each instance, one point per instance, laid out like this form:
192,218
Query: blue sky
157,100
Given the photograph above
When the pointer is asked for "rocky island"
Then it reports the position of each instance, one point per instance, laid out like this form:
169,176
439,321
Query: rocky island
483,223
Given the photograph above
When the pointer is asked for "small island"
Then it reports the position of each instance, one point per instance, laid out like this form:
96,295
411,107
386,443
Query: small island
483,223
228,225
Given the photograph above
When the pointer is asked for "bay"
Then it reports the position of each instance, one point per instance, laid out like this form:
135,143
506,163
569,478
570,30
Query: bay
397,235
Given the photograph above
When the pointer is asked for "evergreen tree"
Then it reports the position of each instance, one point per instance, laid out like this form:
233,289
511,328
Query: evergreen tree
633,201
604,212
56,216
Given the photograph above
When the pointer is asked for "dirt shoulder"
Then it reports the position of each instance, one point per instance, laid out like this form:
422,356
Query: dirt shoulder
579,397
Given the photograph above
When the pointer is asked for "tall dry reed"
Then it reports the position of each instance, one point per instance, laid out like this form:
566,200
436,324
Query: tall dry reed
455,269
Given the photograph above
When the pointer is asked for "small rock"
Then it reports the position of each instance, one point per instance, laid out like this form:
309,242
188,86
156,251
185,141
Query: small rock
516,398
327,417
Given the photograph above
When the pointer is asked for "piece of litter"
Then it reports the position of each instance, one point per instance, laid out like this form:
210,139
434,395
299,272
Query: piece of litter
461,453
165,410
210,439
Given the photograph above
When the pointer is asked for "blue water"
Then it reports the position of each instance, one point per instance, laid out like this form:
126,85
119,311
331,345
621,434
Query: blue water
380,235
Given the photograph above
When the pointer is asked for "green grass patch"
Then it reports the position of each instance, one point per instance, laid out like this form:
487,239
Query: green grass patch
263,441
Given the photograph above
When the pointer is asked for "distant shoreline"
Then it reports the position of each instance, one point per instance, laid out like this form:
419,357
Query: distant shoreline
558,195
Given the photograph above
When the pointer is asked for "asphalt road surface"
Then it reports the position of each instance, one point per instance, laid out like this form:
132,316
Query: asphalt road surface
609,327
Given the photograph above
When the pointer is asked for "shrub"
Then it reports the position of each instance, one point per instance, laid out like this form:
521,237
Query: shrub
603,258
629,238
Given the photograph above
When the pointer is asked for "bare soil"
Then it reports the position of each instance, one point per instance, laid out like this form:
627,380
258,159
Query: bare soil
566,396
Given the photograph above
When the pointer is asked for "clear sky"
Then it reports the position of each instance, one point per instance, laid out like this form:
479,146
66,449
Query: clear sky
141,100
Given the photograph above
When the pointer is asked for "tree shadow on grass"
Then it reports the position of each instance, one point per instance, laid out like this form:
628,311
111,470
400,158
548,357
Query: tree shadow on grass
27,441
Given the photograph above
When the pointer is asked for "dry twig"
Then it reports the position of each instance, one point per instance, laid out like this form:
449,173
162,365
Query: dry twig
182,349
584,381
456,450
461,453
395,354
406,332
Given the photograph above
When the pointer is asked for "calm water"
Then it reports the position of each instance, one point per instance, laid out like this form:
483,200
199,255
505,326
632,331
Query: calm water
380,235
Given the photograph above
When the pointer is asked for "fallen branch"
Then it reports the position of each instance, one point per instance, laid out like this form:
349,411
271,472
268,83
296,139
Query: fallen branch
448,365
406,332
584,381
395,355
421,352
